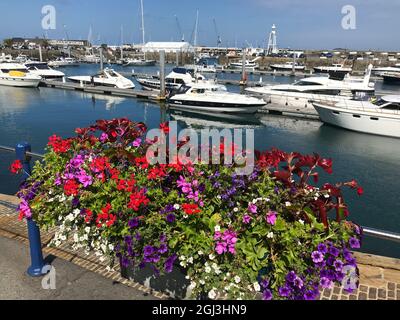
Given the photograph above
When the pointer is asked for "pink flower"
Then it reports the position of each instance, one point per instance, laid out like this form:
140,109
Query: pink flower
25,210
252,208
271,217
103,137
220,248
137,142
246,219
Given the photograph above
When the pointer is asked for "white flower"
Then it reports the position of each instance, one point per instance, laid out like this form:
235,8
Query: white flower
183,264
266,199
207,269
70,217
190,260
192,284
301,221
237,279
63,238
202,281
270,235
212,294
87,229
217,228
185,216
254,201
200,252
62,198
235,209
76,212
211,256
187,277
287,204
256,286
110,247
76,237
176,206
182,258
218,197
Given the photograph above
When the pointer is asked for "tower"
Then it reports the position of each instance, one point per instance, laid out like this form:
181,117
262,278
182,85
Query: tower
272,47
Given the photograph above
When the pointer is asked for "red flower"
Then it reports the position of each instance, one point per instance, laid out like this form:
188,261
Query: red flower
100,164
71,188
360,191
16,167
165,127
137,199
142,162
191,208
58,144
89,215
157,172
106,217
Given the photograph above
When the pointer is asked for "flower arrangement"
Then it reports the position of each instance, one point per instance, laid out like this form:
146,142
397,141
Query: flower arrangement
265,235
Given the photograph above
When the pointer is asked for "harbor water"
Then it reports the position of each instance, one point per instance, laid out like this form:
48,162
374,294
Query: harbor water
34,114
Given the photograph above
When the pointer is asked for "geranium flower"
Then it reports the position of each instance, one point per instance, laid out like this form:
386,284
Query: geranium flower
16,167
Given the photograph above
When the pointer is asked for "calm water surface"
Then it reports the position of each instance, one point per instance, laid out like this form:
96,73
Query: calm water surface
35,114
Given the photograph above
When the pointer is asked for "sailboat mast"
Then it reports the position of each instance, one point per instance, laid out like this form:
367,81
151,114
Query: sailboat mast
196,29
122,42
141,6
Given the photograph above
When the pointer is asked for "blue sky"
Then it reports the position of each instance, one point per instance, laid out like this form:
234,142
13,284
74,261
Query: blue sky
300,23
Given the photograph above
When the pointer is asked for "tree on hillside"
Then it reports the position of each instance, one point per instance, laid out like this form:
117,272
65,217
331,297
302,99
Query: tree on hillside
8,43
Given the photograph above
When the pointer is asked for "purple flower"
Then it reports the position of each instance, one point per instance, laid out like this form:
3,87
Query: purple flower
264,283
246,219
334,251
338,265
267,295
133,223
326,283
309,295
252,208
25,209
322,248
75,202
169,263
148,250
220,248
291,276
298,282
354,243
163,238
284,291
317,257
163,248
171,218
271,217
124,261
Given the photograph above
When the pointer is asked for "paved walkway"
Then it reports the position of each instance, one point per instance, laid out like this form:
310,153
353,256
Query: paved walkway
84,277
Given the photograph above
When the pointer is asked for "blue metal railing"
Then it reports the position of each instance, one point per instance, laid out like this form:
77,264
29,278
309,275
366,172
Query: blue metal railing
23,153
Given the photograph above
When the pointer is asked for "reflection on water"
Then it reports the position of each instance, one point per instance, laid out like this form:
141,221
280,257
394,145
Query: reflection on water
35,114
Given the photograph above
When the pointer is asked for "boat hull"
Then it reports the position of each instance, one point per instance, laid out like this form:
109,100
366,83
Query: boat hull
203,106
19,82
360,121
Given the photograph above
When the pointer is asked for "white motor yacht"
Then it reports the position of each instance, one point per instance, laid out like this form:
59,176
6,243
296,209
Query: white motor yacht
63,62
249,65
289,66
336,67
175,79
142,62
378,70
6,58
43,70
300,93
107,77
202,68
17,75
390,77
206,98
376,116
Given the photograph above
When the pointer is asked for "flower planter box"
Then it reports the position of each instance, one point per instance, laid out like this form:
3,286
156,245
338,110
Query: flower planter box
173,284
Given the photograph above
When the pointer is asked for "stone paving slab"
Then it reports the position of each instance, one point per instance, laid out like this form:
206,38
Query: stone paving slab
379,276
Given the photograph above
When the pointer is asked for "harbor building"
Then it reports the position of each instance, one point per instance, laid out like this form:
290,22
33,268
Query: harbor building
168,47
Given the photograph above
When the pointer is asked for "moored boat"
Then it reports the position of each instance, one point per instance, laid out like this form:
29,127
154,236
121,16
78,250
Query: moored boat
106,77
17,75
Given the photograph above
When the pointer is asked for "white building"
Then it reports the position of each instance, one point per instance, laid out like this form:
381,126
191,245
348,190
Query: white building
168,47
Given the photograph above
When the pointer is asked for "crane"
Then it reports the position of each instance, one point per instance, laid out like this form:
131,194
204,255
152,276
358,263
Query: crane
181,34
219,41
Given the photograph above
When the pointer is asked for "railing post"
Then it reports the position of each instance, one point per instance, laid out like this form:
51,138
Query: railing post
35,245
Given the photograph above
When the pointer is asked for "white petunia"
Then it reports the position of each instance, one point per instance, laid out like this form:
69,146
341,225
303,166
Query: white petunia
212,294
287,204
256,286
76,212
200,253
270,235
176,206
217,228
301,221
87,229
237,279
207,269
235,209
211,256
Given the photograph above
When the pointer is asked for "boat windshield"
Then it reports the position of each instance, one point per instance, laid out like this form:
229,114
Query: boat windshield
306,83
112,73
14,70
39,66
